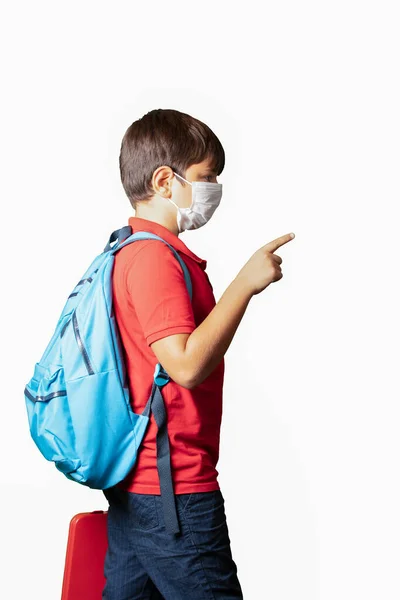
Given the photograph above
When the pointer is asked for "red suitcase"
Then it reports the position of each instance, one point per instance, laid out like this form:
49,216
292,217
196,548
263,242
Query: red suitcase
86,549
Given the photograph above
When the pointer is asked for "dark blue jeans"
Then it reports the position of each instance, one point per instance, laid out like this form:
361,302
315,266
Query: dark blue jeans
143,561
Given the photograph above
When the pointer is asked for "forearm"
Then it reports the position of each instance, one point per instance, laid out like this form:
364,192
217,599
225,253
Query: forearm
209,342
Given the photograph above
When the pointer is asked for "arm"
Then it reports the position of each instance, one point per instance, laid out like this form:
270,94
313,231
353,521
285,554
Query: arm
195,355
190,358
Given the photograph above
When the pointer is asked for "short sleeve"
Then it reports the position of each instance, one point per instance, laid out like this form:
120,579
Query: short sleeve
157,291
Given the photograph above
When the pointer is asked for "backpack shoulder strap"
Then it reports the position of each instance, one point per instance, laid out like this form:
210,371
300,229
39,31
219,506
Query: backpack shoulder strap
120,235
122,240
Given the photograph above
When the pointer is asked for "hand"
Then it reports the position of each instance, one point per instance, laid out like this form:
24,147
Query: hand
263,267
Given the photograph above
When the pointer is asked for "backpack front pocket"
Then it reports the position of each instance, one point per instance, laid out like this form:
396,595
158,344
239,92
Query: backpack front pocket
49,415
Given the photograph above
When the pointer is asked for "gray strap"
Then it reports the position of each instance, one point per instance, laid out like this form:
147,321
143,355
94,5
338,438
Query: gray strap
156,404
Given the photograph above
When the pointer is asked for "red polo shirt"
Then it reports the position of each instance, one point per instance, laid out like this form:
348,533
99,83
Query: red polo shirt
151,302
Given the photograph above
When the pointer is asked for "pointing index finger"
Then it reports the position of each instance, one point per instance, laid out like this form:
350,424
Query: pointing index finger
278,242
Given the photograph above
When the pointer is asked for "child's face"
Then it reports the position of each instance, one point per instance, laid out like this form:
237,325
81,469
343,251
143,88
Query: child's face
182,192
169,189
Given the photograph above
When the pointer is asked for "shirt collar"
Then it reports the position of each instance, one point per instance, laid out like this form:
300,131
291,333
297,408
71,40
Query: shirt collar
139,224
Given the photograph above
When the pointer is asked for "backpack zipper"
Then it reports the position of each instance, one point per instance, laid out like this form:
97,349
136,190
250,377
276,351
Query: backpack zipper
81,346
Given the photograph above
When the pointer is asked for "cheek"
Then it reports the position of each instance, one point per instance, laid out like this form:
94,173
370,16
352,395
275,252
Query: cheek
182,196
187,197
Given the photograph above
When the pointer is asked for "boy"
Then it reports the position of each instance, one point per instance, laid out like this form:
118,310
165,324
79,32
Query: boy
169,165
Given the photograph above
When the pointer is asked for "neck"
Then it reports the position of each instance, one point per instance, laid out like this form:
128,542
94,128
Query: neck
162,215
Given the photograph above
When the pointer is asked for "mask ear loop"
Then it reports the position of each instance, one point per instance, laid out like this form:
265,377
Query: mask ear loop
182,177
179,209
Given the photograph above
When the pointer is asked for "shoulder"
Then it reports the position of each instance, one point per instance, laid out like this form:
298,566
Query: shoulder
146,252
151,258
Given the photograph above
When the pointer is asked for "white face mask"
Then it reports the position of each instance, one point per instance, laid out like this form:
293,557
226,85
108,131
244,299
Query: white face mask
206,197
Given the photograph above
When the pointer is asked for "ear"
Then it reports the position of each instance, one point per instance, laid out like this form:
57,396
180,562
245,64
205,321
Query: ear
162,180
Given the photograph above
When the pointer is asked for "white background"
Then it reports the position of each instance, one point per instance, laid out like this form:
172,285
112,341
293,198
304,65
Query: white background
304,97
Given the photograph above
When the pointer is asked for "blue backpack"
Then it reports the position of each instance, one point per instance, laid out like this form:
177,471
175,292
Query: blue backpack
78,400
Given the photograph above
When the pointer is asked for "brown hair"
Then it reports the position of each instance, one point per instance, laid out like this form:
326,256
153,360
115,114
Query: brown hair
165,137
